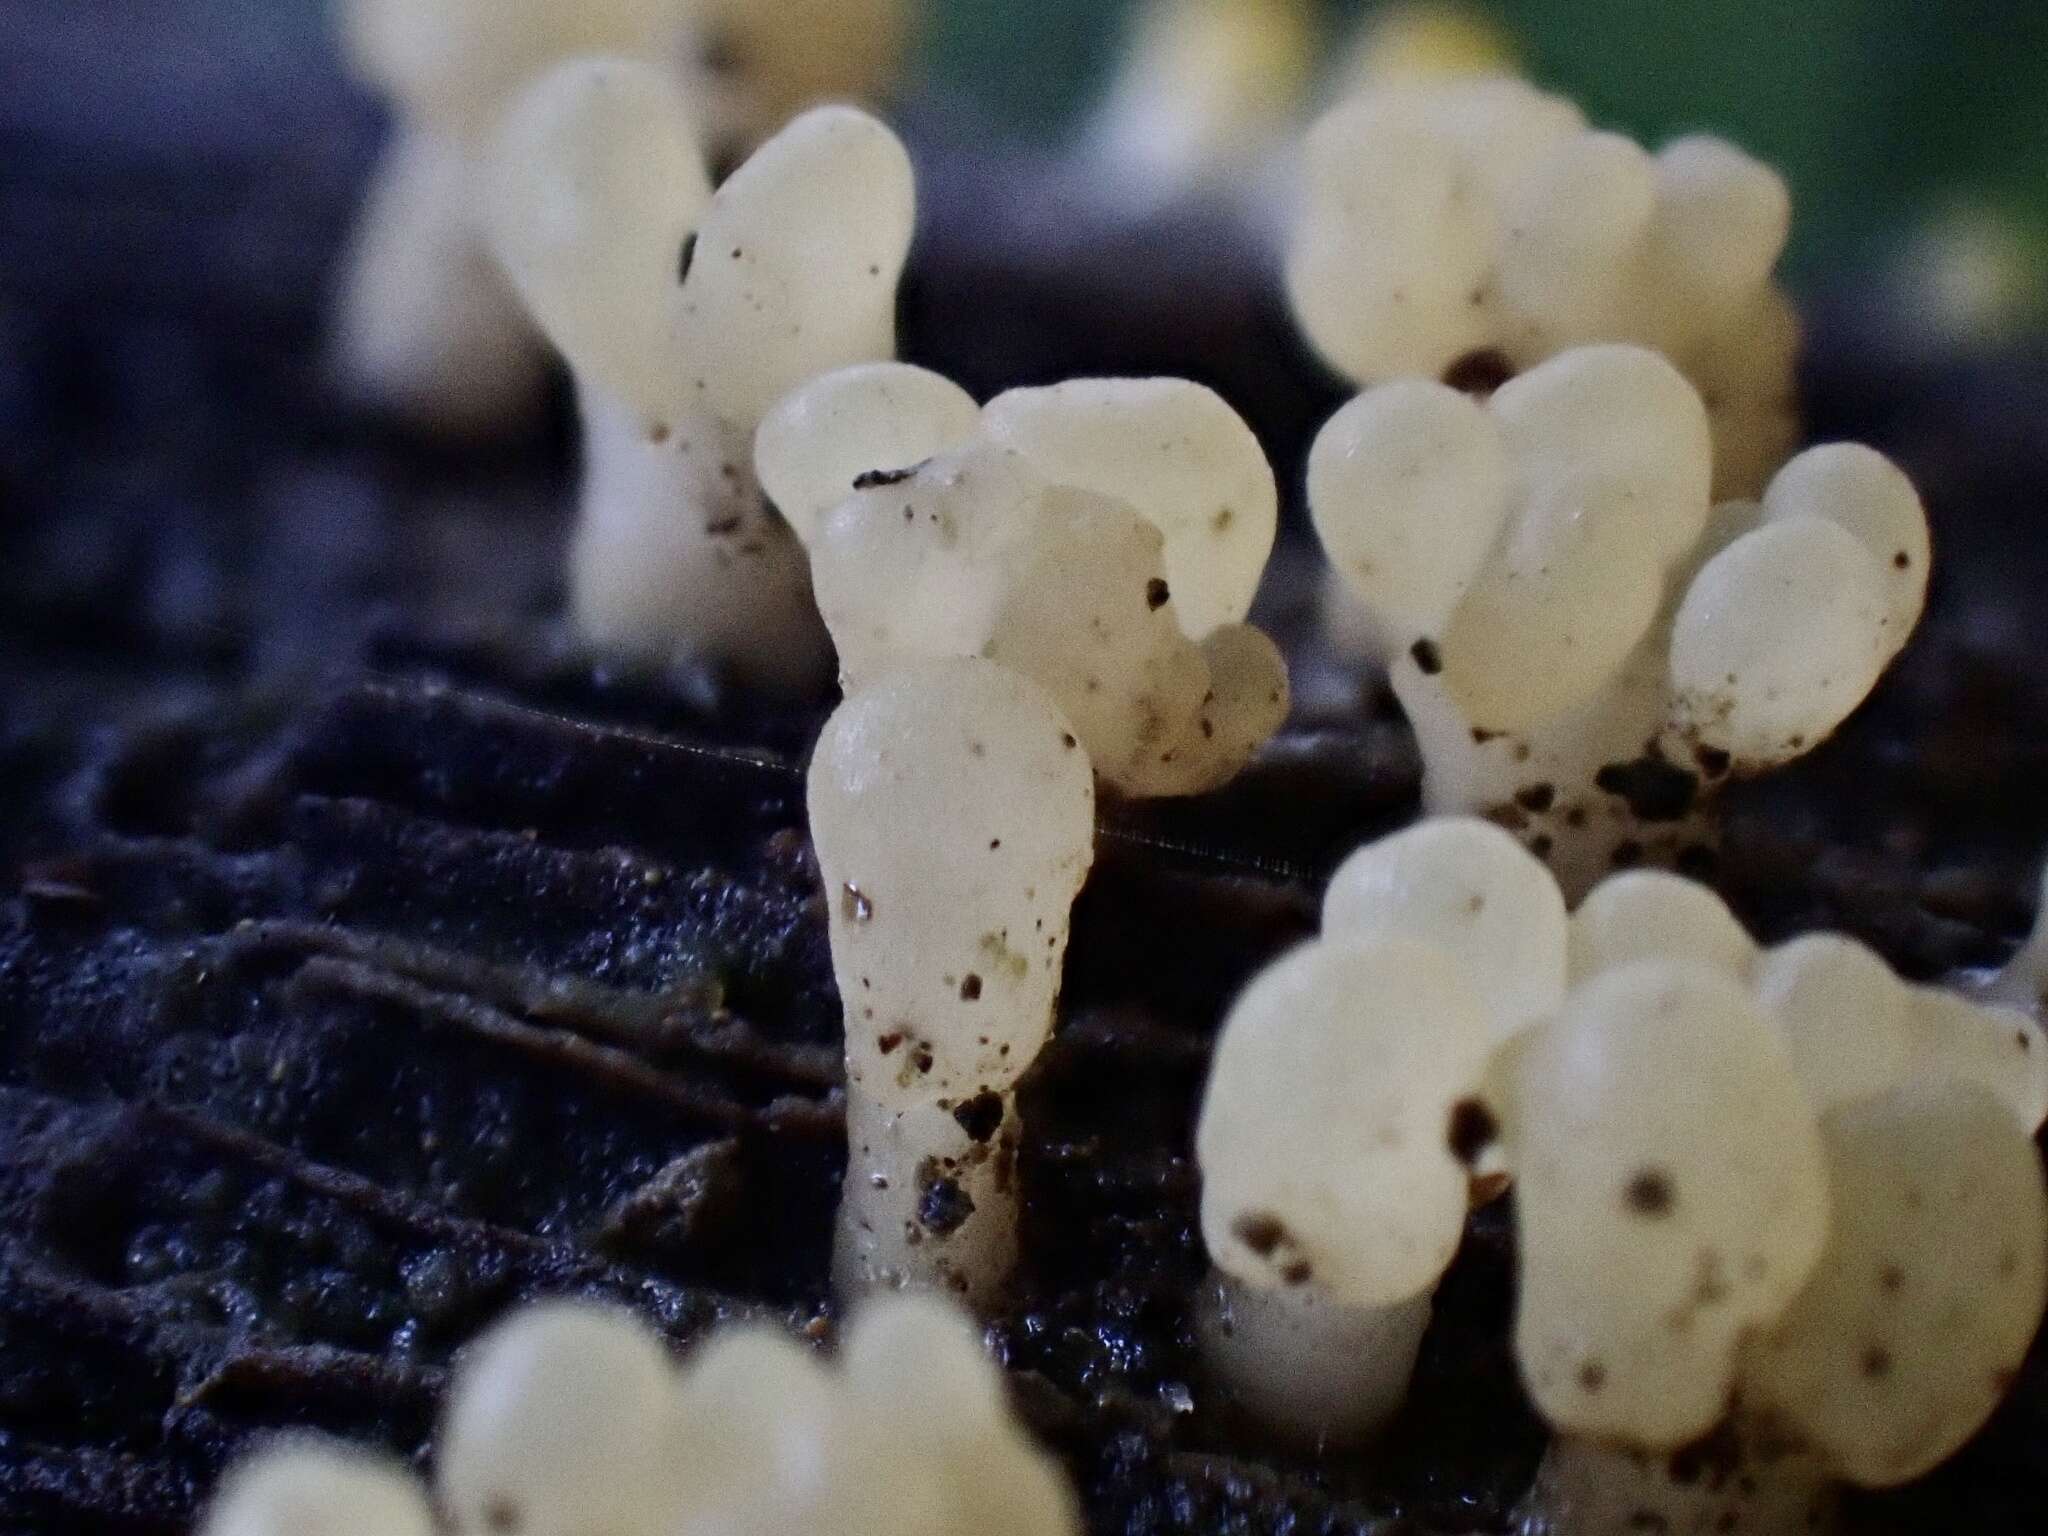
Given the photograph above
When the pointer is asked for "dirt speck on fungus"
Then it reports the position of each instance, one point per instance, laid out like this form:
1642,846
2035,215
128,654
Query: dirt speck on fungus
1649,1193
1655,790
1428,656
1472,1130
981,1116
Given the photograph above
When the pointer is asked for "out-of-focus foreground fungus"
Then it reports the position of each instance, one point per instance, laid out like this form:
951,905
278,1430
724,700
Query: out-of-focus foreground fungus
569,1419
1586,646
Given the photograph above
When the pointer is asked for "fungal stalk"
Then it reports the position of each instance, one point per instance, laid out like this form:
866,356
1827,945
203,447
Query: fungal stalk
569,1418
1586,647
1469,229
685,314
1342,1121
1102,537
425,323
953,811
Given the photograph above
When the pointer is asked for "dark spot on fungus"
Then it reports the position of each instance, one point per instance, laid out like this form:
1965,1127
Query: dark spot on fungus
1481,735
921,1058
1472,1130
1891,1279
888,1043
981,1116
1592,1375
500,1514
1575,817
1480,371
1541,844
1067,740
942,1205
1901,561
1876,1363
1650,1193
688,258
868,479
1654,789
1714,763
1260,1231
970,989
1428,656
724,525
1536,797
1156,593
1298,1272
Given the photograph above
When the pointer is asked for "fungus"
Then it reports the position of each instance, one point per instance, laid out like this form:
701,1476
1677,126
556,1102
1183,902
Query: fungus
910,1436
1469,889
1587,649
1670,1195
953,812
1456,219
1647,914
685,315
759,62
1907,1333
1102,537
424,321
1206,89
1332,1200
562,1419
308,1488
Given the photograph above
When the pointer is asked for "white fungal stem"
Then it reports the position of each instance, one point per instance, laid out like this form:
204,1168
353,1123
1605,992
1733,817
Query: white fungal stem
930,1198
1308,1367
1727,1484
1548,784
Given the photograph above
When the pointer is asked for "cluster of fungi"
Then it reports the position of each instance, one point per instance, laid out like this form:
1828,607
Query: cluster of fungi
1776,1203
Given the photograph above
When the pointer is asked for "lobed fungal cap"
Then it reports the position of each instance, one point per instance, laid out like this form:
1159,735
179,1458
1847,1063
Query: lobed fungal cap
1323,1135
569,1419
1846,1019
1650,915
873,419
1532,552
311,1489
455,61
1914,1324
562,1419
909,1435
1179,455
2000,1048
1469,889
1021,546
597,205
953,811
1671,1195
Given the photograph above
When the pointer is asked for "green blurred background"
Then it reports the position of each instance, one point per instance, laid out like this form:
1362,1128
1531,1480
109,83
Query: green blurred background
1881,113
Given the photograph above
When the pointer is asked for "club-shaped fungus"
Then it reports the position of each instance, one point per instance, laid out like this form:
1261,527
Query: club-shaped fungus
685,314
1332,1200
1586,647
1705,1370
425,322
1908,1332
570,1419
1468,229
953,809
1342,1120
1103,537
